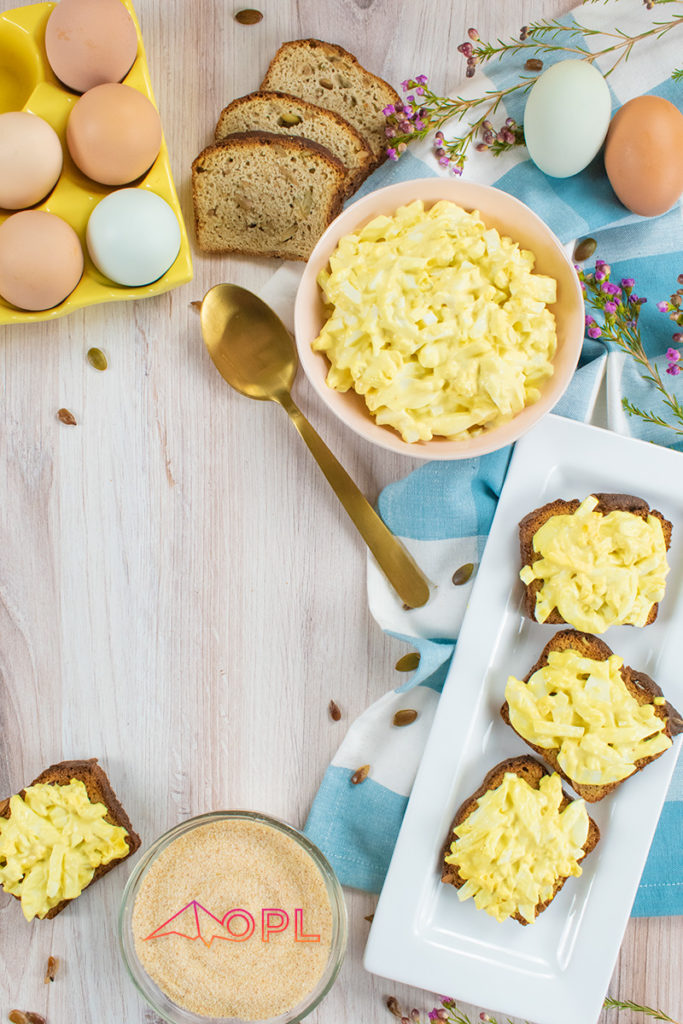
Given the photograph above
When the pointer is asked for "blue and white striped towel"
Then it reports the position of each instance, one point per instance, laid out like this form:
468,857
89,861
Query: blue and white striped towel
444,510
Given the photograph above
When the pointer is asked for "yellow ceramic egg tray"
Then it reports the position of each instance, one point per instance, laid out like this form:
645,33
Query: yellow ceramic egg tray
27,83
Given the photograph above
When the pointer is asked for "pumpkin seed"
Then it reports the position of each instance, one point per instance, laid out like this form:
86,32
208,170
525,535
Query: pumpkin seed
408,663
335,713
406,716
584,249
97,359
51,969
287,120
369,917
462,574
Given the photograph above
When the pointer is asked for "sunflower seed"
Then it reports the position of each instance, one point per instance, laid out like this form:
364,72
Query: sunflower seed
335,713
66,417
360,775
249,16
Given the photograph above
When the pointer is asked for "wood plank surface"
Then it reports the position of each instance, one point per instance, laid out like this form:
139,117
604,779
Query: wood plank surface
180,593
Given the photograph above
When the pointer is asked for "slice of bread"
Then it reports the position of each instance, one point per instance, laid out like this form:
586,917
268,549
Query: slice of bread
641,687
99,790
331,77
259,194
606,503
529,769
282,114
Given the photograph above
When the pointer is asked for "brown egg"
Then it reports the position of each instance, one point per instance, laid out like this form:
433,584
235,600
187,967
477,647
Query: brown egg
113,134
41,260
644,155
30,159
89,42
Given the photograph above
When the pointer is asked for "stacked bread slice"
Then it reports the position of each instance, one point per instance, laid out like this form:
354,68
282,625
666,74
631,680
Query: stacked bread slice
285,158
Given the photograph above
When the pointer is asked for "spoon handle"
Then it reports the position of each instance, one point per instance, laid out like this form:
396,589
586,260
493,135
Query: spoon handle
396,563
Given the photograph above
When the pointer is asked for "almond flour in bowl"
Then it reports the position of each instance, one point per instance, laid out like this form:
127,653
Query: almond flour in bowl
233,916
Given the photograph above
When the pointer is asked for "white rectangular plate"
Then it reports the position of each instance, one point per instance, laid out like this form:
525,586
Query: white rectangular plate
555,971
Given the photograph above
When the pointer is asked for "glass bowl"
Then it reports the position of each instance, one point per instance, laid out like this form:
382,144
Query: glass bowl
157,998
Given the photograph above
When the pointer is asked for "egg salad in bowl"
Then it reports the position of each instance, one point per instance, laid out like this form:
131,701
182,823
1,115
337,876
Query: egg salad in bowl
437,321
439,318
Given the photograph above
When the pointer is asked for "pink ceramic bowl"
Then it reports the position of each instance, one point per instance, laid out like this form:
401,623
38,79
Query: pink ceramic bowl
509,217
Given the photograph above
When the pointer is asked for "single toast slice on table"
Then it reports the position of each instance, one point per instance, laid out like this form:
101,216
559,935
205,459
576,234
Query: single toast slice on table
59,834
331,77
595,720
594,563
260,194
516,840
283,114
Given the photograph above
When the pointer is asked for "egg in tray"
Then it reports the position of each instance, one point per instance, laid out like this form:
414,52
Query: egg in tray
81,226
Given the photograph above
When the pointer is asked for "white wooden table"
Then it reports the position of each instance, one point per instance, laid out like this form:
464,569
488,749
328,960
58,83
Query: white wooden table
180,593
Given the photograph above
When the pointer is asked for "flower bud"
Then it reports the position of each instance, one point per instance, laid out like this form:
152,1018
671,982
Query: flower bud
466,49
481,147
473,34
470,71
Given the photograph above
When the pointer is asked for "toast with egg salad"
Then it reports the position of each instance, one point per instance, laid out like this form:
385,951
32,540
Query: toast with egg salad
516,840
593,719
61,833
594,563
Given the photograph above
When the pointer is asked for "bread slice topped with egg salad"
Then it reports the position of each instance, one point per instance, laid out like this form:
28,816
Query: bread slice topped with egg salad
593,719
516,841
594,563
59,834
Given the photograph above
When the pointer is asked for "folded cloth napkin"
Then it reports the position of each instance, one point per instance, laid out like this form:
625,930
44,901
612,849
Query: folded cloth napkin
444,510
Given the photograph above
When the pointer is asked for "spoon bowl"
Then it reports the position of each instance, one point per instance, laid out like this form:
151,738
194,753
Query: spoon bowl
249,345
252,350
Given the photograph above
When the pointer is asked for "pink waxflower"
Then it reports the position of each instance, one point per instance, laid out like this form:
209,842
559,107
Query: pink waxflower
662,306
674,369
673,355
610,307
421,79
391,153
388,110
594,332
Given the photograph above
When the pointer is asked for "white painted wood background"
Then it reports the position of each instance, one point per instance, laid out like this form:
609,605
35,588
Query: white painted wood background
180,593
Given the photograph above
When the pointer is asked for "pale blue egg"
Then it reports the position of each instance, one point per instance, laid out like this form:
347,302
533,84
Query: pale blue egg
566,117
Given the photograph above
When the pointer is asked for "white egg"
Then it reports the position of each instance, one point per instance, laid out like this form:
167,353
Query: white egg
133,236
566,117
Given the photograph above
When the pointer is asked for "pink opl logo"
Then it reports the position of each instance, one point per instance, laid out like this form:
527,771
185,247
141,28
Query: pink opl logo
196,922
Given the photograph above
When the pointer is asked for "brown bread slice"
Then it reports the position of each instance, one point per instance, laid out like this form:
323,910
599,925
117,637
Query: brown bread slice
282,114
607,503
638,684
99,790
331,77
529,769
259,194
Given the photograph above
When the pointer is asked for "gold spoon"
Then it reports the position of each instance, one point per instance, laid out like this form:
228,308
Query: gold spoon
253,352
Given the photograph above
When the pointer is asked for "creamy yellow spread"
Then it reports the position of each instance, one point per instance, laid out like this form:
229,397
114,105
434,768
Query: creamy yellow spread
517,844
598,570
583,707
52,843
437,321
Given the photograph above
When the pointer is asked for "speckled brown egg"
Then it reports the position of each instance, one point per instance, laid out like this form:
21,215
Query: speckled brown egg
41,260
89,42
644,155
113,134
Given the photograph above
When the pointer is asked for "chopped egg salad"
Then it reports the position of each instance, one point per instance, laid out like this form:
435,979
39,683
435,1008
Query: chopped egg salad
437,321
517,844
51,844
598,570
584,708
